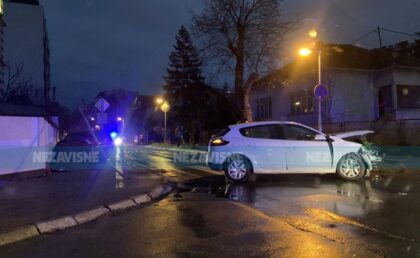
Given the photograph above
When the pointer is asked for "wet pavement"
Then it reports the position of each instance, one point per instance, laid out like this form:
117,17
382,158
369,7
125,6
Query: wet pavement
270,216
27,201
382,211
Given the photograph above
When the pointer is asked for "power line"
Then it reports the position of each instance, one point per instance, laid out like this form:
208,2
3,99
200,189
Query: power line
363,36
379,30
399,32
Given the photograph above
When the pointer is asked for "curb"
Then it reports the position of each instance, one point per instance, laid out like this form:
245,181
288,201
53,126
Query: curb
53,225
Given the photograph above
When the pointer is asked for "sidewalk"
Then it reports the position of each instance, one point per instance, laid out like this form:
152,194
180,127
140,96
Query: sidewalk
31,200
199,149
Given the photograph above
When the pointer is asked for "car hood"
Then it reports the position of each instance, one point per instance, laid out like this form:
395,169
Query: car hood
352,134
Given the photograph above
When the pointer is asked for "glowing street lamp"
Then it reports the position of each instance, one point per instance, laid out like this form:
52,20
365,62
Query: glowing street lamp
159,101
306,52
313,33
164,106
121,120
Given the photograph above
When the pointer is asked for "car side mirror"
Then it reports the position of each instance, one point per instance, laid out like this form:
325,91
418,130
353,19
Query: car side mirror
323,137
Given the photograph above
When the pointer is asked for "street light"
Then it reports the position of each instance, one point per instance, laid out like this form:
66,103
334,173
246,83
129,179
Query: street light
313,33
164,106
121,119
306,52
159,101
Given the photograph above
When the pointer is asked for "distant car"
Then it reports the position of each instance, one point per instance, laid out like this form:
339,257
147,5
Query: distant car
80,150
286,147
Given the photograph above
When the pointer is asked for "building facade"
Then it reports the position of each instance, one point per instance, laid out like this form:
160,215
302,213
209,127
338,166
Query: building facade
26,46
357,92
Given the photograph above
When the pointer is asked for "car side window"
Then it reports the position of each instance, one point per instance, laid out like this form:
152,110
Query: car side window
263,132
295,132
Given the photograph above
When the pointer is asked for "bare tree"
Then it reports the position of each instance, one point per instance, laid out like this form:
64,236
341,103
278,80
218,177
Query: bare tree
242,36
16,86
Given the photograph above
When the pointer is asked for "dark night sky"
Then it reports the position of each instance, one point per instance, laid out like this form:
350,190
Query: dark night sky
105,44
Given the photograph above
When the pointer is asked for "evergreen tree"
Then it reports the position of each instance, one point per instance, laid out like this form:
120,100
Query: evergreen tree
185,85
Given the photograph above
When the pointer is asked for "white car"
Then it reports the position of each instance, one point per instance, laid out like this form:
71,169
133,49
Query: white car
286,147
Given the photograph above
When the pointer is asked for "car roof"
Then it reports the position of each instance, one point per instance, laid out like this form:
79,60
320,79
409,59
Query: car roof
242,125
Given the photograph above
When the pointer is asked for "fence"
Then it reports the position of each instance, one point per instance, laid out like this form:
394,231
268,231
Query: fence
19,138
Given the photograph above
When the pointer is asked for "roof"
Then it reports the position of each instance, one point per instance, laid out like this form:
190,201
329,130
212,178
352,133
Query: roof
345,56
261,123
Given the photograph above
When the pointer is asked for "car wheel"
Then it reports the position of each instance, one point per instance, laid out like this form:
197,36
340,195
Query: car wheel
238,169
351,167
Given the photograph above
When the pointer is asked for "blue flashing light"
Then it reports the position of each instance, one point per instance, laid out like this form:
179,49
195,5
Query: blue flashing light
114,135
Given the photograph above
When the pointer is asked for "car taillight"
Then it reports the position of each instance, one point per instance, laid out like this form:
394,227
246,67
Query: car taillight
218,142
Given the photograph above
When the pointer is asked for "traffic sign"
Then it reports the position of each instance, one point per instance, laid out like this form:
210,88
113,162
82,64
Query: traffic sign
102,105
321,92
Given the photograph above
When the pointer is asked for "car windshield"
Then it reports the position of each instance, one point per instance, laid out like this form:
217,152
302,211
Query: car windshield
209,128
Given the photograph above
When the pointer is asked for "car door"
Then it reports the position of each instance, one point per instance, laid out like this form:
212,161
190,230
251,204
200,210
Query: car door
304,153
265,146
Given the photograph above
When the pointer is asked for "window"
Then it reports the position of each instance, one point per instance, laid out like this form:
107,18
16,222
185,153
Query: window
264,108
408,96
295,132
263,132
302,102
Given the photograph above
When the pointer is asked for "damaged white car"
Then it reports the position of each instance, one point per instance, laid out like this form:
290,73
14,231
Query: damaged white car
287,147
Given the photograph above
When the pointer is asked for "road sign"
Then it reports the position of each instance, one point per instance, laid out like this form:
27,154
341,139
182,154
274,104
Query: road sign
320,91
102,105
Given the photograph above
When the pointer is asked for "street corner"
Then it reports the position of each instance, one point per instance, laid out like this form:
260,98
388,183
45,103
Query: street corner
141,199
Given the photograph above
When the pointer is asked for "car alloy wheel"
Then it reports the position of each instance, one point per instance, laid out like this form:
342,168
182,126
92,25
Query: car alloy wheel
238,169
351,167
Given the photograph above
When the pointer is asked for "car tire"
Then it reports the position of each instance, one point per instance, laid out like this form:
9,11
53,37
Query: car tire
351,167
237,168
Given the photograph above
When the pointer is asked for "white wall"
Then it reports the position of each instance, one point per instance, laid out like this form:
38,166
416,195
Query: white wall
19,138
24,39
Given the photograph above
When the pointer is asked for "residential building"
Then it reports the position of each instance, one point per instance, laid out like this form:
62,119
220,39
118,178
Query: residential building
26,45
365,86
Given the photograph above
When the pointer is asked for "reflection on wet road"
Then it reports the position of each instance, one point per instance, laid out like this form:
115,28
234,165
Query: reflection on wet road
381,211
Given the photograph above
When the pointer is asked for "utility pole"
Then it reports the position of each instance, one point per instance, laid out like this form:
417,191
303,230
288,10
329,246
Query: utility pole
319,83
379,35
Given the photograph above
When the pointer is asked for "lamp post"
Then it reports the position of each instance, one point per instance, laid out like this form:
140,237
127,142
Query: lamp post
319,89
164,106
121,119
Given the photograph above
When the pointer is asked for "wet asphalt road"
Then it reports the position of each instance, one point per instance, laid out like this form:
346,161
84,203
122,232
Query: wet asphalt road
271,216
